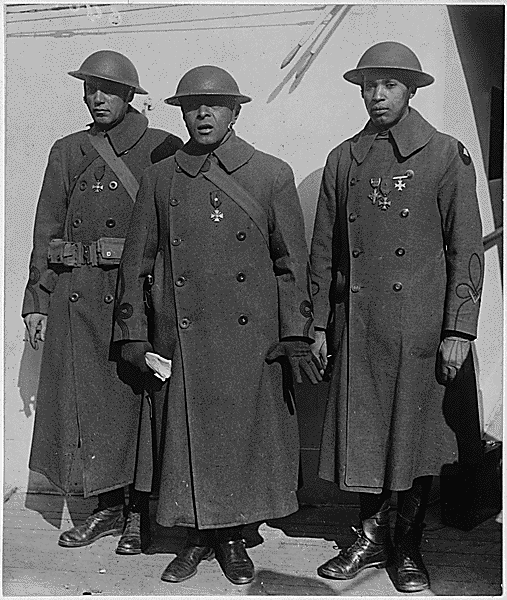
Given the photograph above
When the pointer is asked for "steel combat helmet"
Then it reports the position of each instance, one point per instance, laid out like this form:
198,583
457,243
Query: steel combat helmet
393,56
112,66
207,80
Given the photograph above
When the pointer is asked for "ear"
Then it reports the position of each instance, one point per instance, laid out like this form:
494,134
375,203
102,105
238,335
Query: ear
413,90
130,95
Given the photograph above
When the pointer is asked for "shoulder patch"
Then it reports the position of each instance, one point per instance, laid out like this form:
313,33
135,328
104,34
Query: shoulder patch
464,154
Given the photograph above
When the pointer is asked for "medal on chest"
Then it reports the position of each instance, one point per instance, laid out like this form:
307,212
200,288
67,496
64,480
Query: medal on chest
217,215
382,189
98,173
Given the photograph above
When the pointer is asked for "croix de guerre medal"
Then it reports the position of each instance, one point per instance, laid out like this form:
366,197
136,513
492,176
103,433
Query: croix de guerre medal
98,174
379,194
217,215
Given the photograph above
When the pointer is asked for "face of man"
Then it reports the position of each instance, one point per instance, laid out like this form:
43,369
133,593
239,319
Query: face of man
107,101
385,97
208,117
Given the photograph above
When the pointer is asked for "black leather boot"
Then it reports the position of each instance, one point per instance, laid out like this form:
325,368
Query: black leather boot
236,565
136,533
108,521
406,569
186,562
371,549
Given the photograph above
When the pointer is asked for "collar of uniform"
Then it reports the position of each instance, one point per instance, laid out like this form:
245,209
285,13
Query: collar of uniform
410,134
128,132
232,154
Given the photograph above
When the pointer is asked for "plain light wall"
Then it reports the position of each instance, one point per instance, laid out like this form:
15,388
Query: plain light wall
43,103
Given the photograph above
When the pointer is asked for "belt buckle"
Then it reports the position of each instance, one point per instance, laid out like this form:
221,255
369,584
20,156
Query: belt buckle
86,254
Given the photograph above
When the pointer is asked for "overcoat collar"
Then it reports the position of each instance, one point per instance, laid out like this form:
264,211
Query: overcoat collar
410,134
128,132
232,154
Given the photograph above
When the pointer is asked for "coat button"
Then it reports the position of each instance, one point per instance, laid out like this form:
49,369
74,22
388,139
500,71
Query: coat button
356,252
184,323
241,235
180,282
404,213
108,299
74,297
240,277
178,169
397,287
110,223
353,181
76,222
352,217
82,186
400,251
243,320
355,288
174,201
113,185
176,241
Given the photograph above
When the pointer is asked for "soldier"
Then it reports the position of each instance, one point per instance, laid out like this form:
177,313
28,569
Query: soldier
220,228
88,402
397,263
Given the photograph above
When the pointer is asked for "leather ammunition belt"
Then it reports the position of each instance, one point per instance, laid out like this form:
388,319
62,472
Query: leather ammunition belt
104,252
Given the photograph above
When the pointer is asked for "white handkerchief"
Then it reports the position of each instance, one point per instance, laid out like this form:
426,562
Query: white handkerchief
160,366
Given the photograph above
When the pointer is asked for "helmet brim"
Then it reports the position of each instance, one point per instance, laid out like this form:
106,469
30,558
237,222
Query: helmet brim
417,78
175,100
83,75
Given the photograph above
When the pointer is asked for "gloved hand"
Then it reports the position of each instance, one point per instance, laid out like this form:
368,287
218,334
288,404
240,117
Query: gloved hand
133,353
452,353
299,356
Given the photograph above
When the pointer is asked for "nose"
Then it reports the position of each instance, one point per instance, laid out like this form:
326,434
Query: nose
379,92
203,111
99,97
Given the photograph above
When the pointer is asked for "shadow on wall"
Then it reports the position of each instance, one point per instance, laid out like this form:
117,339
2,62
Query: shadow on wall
308,191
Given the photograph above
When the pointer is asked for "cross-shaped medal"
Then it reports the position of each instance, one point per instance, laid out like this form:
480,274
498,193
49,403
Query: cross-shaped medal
384,203
217,216
97,187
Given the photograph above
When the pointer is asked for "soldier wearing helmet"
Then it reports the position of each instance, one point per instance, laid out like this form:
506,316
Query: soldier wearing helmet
397,263
220,228
89,401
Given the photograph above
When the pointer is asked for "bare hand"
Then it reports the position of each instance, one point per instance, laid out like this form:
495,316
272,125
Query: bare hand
36,326
319,349
451,356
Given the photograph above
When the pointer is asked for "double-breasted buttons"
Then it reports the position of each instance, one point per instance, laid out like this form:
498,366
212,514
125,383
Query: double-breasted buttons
241,235
74,297
400,251
174,201
185,323
356,252
243,320
108,299
240,277
110,223
177,169
355,288
76,222
82,186
180,282
176,241
404,213
352,217
397,287
113,185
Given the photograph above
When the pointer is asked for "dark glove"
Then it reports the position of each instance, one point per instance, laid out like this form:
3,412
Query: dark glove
299,356
451,356
133,353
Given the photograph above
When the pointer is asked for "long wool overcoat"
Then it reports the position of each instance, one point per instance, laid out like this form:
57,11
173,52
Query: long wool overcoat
85,397
225,289
397,259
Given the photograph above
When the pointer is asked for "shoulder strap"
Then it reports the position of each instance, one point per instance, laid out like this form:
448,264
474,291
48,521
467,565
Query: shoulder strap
124,174
85,162
242,198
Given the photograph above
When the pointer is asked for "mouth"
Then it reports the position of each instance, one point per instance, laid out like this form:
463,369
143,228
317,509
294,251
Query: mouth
100,112
205,129
378,110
